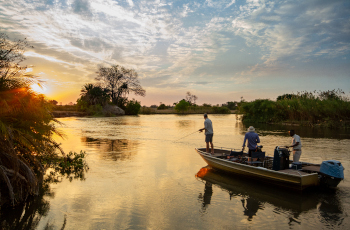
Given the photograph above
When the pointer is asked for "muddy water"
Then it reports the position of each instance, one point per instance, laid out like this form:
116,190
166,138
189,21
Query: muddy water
141,178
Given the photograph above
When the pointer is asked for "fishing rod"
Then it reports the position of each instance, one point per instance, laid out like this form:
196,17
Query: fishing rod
186,135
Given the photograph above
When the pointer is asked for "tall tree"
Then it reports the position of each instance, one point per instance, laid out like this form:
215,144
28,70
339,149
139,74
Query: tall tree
191,98
26,125
12,74
120,82
94,95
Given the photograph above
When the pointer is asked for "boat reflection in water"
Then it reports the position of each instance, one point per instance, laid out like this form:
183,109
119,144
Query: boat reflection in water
255,196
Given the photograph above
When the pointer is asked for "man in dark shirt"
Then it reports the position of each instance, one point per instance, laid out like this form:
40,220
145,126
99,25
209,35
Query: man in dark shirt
253,139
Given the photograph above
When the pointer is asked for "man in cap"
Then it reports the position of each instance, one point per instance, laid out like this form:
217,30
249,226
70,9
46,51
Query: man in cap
208,127
296,145
253,138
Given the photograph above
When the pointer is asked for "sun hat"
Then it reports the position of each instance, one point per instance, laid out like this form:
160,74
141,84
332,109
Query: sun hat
251,129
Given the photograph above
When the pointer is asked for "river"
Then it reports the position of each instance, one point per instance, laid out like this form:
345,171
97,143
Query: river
144,175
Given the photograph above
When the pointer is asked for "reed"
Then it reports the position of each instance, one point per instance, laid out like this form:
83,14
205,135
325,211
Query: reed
305,108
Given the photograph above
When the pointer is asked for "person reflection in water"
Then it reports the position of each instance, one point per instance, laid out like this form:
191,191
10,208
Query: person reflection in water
206,198
251,207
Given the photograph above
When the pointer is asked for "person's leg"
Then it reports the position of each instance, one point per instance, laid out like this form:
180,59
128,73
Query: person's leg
212,147
207,146
296,155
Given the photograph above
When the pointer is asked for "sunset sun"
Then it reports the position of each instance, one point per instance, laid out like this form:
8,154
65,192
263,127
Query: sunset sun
38,88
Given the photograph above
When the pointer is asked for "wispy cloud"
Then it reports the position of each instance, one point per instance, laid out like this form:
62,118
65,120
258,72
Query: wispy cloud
186,41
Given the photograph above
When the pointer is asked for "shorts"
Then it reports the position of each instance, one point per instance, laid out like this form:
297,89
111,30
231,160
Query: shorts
250,152
209,138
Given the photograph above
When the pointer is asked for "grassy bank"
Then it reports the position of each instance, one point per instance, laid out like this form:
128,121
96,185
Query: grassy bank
72,110
190,110
327,109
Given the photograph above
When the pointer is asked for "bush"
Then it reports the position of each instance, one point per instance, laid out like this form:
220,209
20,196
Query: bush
182,106
328,109
132,107
220,110
162,106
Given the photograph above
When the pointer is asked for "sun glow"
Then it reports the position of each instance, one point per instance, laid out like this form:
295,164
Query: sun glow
38,88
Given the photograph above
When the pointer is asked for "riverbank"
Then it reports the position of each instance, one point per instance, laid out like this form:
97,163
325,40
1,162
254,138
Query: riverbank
208,110
328,109
58,114
72,111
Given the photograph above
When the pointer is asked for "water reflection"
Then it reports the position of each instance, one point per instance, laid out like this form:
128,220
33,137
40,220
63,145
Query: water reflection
119,149
185,123
29,214
255,197
251,207
303,131
206,198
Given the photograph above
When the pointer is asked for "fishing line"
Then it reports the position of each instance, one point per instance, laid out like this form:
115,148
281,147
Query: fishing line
186,135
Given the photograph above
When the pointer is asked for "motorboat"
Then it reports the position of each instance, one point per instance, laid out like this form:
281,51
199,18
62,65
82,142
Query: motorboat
277,170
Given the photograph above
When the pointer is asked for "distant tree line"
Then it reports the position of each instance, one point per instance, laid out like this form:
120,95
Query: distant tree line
325,108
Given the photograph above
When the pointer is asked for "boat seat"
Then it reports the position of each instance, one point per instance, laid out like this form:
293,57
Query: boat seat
258,155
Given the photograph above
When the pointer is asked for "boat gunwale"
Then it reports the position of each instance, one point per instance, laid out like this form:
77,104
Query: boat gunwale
205,154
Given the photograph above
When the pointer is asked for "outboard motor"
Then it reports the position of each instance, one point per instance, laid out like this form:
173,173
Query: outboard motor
280,159
332,172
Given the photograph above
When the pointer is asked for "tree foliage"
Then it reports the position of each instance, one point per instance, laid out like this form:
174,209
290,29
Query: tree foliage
119,82
162,106
182,106
327,108
133,107
191,98
26,126
94,94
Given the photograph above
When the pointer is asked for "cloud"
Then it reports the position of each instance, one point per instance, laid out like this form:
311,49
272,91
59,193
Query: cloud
297,30
230,4
131,3
82,7
181,43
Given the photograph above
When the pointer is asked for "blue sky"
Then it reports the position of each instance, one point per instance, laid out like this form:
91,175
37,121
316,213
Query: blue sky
218,50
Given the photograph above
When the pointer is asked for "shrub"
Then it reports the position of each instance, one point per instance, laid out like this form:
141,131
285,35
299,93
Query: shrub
132,107
182,106
220,110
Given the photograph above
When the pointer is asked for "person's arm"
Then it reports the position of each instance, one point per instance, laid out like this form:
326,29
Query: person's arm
245,138
205,126
257,139
297,141
201,130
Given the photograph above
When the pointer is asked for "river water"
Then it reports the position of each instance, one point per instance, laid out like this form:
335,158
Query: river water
145,174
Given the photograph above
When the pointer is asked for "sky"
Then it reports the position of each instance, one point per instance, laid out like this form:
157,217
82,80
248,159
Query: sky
218,50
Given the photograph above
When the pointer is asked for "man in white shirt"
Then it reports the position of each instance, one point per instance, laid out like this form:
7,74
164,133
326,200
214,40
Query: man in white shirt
296,145
208,127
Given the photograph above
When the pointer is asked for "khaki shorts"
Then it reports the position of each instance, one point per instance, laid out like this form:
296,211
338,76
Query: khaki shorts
296,155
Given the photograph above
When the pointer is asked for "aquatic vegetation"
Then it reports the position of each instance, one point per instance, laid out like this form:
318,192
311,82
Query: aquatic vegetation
326,108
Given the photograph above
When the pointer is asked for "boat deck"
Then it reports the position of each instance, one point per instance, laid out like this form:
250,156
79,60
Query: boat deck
311,168
294,172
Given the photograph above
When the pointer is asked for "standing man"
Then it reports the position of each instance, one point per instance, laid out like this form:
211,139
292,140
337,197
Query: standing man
208,127
296,145
253,139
